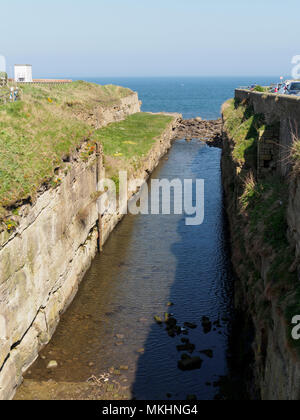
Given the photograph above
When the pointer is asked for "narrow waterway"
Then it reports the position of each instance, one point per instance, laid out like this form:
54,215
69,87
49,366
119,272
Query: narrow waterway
148,262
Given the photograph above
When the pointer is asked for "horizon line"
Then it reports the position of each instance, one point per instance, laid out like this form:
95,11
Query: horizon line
162,76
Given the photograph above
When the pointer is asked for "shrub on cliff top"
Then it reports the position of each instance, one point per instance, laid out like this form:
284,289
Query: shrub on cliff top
259,88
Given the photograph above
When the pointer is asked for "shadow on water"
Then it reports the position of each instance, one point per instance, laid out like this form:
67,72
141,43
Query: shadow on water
202,287
148,262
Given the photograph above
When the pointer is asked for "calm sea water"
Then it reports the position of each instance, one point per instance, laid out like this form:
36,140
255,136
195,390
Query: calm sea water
190,96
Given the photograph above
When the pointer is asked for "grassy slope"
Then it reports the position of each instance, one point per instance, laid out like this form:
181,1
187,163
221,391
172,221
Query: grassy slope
78,94
42,128
244,128
37,132
126,143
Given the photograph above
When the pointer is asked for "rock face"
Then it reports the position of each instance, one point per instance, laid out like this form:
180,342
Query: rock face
127,106
283,112
260,289
102,116
41,265
43,261
207,131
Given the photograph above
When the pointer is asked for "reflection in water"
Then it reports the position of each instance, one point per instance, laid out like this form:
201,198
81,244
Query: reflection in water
147,262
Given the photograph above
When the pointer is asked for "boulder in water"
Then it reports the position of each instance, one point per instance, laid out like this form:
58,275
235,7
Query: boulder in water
189,363
171,322
206,325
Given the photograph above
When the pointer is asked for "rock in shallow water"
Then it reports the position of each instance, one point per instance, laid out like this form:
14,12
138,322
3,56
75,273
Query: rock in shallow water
189,363
206,325
52,365
158,320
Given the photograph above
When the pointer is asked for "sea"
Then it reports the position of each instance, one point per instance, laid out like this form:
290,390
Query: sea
189,96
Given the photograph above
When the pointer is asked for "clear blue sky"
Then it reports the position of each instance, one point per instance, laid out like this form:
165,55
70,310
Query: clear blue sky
151,37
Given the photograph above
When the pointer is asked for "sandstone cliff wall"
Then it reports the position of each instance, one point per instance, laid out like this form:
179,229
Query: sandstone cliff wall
281,111
43,261
101,116
266,264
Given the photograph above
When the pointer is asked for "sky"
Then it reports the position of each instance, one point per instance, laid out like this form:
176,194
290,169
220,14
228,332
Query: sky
90,38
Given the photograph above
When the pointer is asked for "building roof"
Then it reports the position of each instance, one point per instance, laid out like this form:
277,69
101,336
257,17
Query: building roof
23,65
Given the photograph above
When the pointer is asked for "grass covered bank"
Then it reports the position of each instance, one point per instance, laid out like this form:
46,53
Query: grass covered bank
126,143
41,130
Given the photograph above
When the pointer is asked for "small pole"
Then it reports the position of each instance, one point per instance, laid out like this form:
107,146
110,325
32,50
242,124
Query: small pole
100,240
99,223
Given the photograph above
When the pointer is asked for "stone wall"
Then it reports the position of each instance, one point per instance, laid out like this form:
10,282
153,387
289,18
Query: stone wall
43,261
127,106
275,360
283,112
41,265
268,151
101,116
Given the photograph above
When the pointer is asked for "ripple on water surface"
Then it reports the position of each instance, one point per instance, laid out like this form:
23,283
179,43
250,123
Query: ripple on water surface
147,262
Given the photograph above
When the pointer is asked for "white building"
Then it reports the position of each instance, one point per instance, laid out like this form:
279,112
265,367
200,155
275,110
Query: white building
23,73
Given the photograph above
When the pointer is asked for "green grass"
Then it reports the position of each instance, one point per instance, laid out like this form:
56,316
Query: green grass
295,156
130,140
296,150
37,132
33,142
244,129
265,206
76,94
4,94
260,89
266,203
49,123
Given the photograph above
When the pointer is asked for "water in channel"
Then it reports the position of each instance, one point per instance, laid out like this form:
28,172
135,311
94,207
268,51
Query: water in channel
148,262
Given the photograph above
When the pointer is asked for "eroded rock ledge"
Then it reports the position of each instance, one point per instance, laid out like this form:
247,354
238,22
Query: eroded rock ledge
209,131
